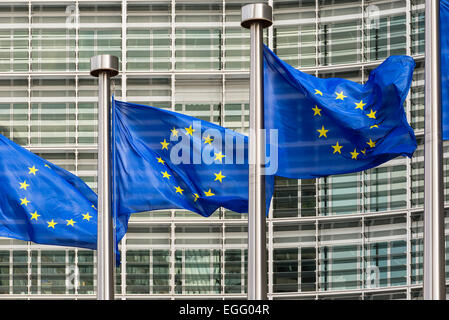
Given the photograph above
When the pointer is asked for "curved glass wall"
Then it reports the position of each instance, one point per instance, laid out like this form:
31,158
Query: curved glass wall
354,236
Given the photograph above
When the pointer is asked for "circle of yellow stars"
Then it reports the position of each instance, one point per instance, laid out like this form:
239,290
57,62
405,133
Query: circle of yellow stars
34,216
337,148
218,157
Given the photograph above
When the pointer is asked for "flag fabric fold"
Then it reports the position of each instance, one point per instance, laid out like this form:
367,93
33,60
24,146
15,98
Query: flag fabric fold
168,160
336,126
444,67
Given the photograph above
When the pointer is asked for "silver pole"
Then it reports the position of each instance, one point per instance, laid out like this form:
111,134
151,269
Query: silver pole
104,67
434,259
256,17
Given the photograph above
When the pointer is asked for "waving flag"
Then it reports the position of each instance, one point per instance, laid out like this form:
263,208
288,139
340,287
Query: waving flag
335,126
444,68
167,160
45,204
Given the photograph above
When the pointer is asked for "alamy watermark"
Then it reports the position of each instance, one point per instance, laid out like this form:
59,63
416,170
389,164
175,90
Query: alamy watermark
372,16
227,148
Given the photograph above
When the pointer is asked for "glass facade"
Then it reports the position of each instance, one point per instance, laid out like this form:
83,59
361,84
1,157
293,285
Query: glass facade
353,236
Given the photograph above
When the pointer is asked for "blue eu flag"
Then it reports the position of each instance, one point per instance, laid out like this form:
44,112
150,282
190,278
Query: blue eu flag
336,126
444,68
45,204
168,160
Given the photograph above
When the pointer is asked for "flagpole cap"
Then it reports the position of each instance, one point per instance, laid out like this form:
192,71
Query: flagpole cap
257,12
104,63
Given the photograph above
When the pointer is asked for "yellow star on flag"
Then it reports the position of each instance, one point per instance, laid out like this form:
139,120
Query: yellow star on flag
208,139
322,132
371,143
337,148
374,126
24,201
93,207
174,132
33,170
165,175
219,177
354,154
209,193
52,224
219,156
70,222
372,114
317,111
190,131
86,216
363,151
318,92
179,190
340,96
160,160
24,185
360,105
165,144
196,196
34,215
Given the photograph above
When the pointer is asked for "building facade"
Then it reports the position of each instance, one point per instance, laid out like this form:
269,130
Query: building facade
353,236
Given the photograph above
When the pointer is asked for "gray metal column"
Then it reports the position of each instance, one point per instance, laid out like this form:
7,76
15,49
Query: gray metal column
434,260
104,67
256,17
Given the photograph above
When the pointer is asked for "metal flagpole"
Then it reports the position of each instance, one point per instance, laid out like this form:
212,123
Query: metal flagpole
434,260
104,67
256,17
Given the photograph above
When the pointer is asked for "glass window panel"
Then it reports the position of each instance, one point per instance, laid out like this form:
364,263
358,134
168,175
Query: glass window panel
156,12
294,34
198,271
86,272
14,109
285,198
417,178
53,38
4,271
199,98
53,111
285,270
385,250
417,97
385,29
202,235
417,245
53,272
236,107
339,33
138,271
418,23
87,168
236,235
395,295
198,49
13,37
386,188
148,49
20,272
142,235
293,234
100,32
152,91
340,255
234,271
339,194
